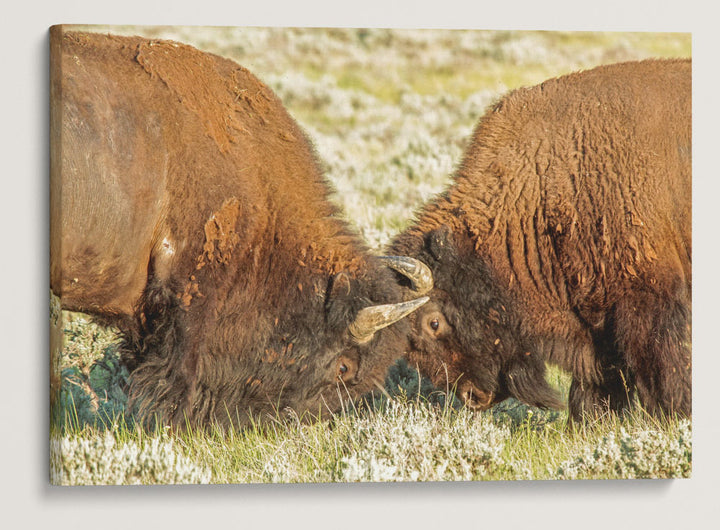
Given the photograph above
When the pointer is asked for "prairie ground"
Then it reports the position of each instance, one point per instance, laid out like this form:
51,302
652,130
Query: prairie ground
390,113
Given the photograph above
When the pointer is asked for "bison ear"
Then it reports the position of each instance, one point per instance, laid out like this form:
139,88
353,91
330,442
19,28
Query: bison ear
340,305
440,242
340,286
525,381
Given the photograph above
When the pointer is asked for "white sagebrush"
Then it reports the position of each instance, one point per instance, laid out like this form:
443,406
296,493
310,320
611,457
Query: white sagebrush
641,454
85,341
419,443
103,460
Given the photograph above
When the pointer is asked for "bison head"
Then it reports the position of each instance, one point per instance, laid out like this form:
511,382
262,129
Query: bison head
365,332
467,336
233,355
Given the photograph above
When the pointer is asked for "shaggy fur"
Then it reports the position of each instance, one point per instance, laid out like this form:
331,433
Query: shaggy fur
566,237
188,208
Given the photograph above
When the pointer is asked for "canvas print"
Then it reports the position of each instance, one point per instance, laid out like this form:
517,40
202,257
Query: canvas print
368,255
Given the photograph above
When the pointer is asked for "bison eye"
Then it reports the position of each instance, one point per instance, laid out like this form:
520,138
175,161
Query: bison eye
435,325
345,369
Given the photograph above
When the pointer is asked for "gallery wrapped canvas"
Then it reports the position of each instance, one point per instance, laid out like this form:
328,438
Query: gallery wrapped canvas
334,255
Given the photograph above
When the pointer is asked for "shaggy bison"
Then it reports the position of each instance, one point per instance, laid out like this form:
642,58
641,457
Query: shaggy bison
188,209
566,237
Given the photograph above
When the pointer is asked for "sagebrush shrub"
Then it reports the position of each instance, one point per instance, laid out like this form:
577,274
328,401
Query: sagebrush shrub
103,460
412,441
635,454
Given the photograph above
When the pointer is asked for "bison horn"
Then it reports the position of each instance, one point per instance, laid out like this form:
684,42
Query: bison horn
373,318
415,270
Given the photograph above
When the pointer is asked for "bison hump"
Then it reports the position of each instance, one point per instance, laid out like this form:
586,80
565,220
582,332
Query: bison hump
194,78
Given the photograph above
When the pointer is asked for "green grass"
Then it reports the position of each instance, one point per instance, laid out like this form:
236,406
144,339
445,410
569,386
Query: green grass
405,439
390,113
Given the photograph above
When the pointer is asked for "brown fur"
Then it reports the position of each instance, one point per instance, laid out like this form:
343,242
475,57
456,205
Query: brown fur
566,235
188,208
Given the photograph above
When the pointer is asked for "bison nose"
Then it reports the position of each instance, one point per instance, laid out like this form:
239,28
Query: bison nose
473,397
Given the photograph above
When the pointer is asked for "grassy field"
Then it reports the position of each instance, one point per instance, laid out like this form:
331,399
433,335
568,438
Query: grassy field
390,113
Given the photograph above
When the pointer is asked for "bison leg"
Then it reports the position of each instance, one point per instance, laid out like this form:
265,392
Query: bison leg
653,333
587,400
602,384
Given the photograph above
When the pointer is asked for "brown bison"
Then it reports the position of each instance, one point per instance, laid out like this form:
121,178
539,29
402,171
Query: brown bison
566,237
188,208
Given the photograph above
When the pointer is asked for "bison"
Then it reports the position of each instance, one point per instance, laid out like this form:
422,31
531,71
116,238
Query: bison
189,210
566,237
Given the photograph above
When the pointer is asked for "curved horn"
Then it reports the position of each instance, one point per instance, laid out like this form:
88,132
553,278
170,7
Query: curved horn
415,270
373,318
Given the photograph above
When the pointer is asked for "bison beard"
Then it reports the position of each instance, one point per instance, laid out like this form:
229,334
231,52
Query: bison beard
566,237
188,208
